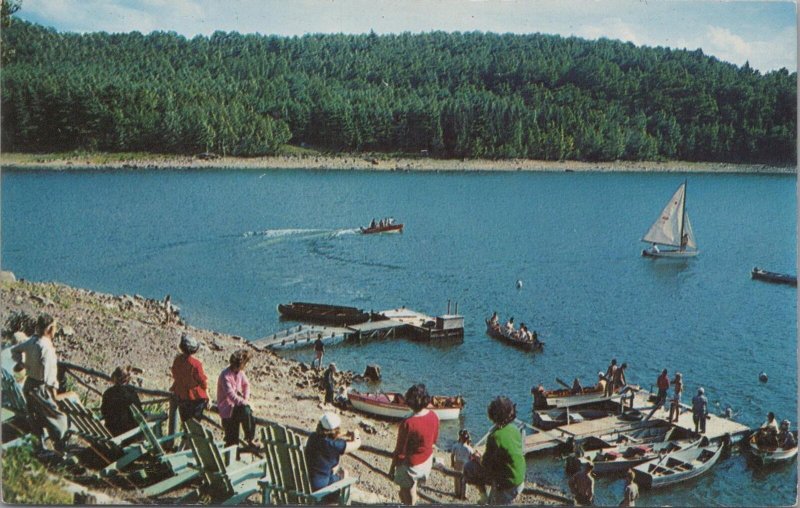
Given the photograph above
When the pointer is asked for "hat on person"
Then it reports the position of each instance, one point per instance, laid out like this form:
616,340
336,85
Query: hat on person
701,391
330,421
785,424
189,344
600,374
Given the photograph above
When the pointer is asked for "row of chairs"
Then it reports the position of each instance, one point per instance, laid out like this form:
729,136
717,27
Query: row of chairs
281,477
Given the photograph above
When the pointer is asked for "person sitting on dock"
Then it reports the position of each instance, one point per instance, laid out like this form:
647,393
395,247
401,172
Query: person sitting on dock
581,484
539,398
117,401
786,439
700,410
503,464
601,382
610,373
677,390
324,448
663,387
319,352
576,387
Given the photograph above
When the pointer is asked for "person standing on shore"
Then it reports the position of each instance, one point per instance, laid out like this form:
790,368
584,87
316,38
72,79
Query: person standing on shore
37,357
631,492
700,410
233,397
412,459
611,372
190,383
319,352
460,455
503,464
330,383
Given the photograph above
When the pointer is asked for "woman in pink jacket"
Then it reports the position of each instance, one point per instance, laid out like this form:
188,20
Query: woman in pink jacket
233,397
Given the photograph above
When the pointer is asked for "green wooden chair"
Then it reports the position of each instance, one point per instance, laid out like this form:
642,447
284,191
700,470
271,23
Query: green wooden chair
13,401
226,480
108,447
288,481
178,467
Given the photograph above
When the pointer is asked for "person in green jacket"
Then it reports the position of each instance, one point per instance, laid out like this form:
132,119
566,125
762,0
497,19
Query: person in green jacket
503,463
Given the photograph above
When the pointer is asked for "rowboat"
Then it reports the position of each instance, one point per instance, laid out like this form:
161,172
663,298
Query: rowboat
392,405
549,419
678,466
322,313
777,278
498,332
624,456
565,397
390,228
672,229
771,454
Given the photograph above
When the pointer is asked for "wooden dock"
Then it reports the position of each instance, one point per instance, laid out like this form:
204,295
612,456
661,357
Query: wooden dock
400,322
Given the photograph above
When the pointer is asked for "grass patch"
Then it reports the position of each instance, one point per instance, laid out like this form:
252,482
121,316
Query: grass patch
26,481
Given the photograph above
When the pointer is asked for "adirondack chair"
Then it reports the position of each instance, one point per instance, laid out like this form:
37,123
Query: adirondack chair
14,404
288,480
179,467
108,447
225,479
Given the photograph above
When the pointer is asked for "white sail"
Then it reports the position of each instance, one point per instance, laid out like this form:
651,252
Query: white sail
666,230
687,230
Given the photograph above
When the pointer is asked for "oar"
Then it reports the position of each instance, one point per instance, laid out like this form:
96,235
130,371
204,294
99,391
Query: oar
562,383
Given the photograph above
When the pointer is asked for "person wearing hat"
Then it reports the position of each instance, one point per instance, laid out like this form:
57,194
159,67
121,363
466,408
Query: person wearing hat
233,397
190,383
117,401
631,492
601,382
700,410
329,382
582,485
37,357
460,454
786,439
324,448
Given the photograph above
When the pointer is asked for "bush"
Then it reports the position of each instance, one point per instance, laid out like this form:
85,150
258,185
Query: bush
25,480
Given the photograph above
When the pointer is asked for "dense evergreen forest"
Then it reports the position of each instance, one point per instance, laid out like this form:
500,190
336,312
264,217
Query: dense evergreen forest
452,94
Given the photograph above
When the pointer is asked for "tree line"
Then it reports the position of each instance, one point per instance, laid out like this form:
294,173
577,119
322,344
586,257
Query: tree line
453,94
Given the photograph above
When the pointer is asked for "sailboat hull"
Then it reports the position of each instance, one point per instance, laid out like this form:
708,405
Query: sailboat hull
669,254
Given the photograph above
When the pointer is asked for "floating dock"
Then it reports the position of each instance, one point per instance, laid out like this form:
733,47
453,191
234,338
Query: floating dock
717,428
393,323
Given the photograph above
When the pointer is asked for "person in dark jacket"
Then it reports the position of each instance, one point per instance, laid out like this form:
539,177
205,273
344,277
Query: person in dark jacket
117,401
330,383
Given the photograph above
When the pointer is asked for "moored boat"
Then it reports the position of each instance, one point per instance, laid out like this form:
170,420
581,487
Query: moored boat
549,419
497,332
392,405
778,278
620,458
566,397
322,313
678,466
672,229
771,454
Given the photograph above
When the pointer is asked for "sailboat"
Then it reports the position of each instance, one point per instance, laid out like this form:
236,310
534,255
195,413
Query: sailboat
672,229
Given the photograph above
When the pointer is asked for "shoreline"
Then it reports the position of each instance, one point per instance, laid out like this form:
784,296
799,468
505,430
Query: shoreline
370,162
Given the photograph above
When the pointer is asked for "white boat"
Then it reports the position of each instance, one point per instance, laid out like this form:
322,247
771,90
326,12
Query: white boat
771,454
622,457
678,466
392,405
672,229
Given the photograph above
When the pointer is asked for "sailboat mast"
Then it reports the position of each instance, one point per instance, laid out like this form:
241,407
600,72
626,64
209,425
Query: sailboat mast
683,215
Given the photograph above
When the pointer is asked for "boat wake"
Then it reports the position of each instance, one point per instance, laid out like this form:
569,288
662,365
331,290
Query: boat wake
300,234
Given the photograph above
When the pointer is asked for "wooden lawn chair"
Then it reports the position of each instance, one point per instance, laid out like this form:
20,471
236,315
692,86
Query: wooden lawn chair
108,447
178,466
288,481
13,401
225,479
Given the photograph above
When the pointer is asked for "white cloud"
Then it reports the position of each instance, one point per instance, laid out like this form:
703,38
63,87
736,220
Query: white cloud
611,28
727,45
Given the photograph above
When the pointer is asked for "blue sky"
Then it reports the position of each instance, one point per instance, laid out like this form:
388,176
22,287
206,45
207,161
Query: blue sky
761,32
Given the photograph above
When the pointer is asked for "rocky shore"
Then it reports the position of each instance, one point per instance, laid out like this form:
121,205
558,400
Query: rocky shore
376,162
102,331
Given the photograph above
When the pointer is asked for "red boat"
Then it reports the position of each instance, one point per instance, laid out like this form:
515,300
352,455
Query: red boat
391,228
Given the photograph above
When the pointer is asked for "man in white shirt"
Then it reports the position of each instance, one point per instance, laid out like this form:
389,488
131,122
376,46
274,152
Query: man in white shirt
37,356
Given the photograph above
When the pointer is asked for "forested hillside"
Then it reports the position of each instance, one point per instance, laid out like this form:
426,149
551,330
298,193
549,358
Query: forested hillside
453,94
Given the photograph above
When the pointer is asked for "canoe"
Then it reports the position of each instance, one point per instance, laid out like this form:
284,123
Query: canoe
322,313
620,458
497,332
678,466
771,454
777,278
391,405
392,228
549,419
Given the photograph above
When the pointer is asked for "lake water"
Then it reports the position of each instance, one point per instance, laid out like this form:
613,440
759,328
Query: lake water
230,245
